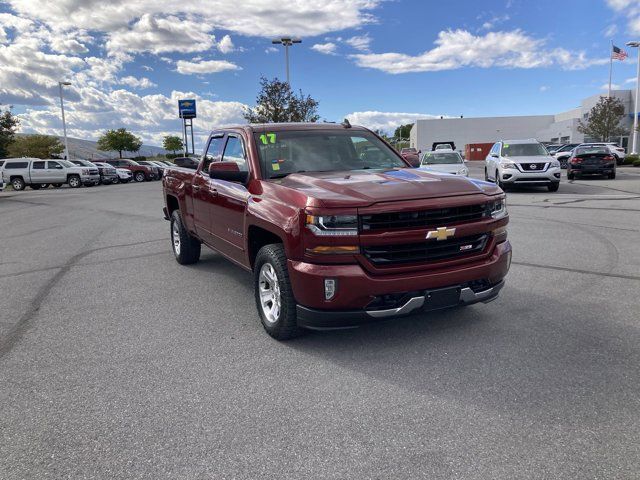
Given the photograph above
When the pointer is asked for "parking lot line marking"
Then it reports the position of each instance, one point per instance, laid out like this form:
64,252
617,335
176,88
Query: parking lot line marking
577,270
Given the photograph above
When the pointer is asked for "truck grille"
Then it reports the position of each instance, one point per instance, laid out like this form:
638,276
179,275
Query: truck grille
423,218
93,171
430,251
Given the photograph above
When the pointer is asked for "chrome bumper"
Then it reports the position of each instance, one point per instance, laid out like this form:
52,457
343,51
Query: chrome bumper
467,297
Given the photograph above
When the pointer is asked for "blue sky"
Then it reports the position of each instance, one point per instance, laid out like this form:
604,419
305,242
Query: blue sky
379,62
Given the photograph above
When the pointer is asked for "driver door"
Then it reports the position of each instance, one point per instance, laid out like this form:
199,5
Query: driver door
204,196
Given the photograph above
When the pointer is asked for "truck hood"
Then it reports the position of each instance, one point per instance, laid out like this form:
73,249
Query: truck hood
362,188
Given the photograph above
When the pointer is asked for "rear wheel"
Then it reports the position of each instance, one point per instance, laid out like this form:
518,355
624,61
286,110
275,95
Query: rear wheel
139,177
612,175
74,181
115,180
186,249
18,184
274,295
45,185
570,175
553,187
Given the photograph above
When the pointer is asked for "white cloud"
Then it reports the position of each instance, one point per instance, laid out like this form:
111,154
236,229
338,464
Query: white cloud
360,42
225,45
631,80
611,30
544,88
385,121
251,18
460,48
494,21
161,35
270,50
134,82
328,48
614,86
205,66
630,9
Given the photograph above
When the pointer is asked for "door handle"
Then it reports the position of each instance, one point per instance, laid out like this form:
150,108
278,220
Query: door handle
213,192
195,187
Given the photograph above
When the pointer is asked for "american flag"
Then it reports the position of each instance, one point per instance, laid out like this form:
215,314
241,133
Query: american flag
618,53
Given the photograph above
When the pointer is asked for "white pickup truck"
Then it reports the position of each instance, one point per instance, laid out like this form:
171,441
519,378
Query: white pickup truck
38,173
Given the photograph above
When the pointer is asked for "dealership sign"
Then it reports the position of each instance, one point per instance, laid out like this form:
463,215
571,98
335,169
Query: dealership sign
187,108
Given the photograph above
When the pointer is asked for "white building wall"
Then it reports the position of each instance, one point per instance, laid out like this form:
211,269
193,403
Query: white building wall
477,130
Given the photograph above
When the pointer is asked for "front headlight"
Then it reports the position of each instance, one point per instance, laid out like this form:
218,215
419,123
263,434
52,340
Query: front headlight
336,225
508,165
498,208
555,164
85,171
463,172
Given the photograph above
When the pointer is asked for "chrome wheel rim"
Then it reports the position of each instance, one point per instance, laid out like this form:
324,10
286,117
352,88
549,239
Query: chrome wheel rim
175,238
269,291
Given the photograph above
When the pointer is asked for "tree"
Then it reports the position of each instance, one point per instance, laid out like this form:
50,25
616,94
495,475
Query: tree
36,146
604,120
119,140
276,103
403,131
8,126
172,142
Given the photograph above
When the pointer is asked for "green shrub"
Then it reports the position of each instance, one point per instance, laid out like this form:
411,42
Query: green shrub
631,159
171,156
636,163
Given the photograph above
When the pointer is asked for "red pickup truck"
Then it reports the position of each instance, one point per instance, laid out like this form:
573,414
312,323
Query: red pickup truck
336,227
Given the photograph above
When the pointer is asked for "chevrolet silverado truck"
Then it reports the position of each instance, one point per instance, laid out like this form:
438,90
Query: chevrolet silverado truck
336,227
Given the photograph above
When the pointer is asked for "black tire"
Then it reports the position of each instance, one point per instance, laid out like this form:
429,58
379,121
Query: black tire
486,176
18,183
56,185
570,176
185,248
553,187
115,181
74,181
139,176
283,326
612,175
45,185
499,182
124,181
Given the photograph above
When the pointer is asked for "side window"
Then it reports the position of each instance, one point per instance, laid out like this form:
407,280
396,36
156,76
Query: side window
16,165
214,150
38,166
234,152
55,165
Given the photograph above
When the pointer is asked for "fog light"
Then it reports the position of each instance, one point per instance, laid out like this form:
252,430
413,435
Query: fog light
330,287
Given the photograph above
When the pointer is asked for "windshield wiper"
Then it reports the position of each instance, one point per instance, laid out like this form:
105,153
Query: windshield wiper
282,175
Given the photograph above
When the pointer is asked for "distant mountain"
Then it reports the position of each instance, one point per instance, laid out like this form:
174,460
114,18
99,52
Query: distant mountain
88,149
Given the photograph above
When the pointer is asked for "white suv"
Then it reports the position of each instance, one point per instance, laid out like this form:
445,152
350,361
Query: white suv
522,162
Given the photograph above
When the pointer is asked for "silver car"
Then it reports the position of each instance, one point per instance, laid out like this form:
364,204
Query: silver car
522,162
444,161
38,173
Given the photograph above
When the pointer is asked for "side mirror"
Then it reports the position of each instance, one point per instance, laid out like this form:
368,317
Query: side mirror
228,171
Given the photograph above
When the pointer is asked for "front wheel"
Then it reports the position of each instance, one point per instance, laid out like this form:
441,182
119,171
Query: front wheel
75,182
553,187
186,249
139,177
115,180
18,184
274,295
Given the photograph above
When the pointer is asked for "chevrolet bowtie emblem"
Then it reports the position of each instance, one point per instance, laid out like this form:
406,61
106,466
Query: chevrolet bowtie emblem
441,233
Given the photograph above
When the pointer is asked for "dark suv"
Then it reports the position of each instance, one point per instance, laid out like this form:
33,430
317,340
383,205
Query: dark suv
140,172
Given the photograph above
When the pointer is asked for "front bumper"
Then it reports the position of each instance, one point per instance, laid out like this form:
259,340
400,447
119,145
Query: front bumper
90,179
512,176
357,291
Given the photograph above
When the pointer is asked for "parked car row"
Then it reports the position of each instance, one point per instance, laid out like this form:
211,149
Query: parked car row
37,173
564,152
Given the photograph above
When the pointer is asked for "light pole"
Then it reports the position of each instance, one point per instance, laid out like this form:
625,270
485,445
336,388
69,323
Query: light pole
635,113
64,124
287,42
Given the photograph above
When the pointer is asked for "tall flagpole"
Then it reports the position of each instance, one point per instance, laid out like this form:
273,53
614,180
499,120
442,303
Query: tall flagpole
610,68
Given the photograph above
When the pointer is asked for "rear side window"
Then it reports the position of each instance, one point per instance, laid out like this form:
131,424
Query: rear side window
38,166
16,165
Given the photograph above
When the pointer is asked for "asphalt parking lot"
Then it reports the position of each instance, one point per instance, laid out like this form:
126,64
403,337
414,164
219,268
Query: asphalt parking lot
116,362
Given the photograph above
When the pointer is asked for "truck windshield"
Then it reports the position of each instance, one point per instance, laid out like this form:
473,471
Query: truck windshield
523,150
434,158
293,151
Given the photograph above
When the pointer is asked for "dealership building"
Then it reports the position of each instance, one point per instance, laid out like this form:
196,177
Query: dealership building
560,128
